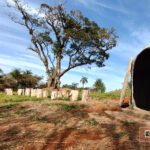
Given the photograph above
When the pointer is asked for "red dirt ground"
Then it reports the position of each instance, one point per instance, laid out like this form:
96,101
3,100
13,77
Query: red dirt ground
47,125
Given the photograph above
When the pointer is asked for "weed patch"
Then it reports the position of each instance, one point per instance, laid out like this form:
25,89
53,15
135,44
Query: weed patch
68,107
91,122
24,111
120,134
127,123
8,106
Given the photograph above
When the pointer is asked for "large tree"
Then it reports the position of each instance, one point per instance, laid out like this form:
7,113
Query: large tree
58,35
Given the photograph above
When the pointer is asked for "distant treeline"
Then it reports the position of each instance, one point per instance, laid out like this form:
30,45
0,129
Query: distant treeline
19,79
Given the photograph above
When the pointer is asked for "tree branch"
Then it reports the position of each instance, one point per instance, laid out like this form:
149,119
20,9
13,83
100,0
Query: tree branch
77,65
52,62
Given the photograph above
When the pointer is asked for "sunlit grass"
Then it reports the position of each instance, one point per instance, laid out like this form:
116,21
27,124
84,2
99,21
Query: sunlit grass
108,95
16,98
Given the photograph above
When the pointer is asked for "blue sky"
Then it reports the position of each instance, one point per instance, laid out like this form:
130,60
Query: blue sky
130,18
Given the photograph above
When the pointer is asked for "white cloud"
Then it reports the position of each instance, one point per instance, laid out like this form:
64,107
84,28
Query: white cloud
30,9
91,4
18,62
142,35
13,36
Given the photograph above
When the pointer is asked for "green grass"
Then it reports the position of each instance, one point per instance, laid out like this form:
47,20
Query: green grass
108,95
63,98
15,98
68,107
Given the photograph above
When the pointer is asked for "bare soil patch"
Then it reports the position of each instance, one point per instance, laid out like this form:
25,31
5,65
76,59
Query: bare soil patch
60,125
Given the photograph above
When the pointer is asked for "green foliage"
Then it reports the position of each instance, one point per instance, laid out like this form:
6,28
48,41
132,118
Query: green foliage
16,74
84,80
99,85
72,86
7,81
19,79
62,33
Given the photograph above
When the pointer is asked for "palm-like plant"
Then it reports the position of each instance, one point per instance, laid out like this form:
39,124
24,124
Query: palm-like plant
16,73
99,85
84,80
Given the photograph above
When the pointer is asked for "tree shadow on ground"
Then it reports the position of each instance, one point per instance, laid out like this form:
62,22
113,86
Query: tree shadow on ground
9,137
130,130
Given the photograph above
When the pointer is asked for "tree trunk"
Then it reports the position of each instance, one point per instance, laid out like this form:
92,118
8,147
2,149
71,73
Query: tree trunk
58,71
54,80
49,83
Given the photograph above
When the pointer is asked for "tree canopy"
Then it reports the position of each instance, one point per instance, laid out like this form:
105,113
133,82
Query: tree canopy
58,35
19,79
99,85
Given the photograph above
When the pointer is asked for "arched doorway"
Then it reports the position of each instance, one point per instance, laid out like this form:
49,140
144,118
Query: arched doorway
141,80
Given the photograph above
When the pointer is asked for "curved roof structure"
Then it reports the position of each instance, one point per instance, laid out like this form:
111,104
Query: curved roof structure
141,80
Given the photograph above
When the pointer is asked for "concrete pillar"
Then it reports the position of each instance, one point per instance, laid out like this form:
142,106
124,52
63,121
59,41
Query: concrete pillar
65,93
9,91
54,95
39,93
20,92
59,94
74,95
33,92
45,93
27,92
85,95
